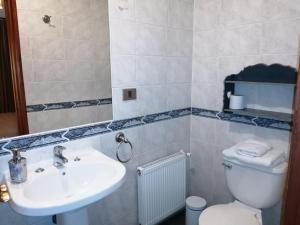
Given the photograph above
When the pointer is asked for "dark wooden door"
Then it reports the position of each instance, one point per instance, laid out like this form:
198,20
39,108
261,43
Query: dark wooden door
291,207
16,65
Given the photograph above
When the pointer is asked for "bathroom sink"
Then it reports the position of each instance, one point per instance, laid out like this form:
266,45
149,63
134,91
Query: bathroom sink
88,177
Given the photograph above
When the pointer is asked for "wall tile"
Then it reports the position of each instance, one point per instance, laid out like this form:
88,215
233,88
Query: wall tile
125,109
122,36
204,96
179,96
26,49
241,41
179,42
31,24
181,14
77,27
281,37
238,12
179,70
52,6
280,9
206,43
154,12
150,40
206,14
156,96
49,70
205,70
122,9
45,48
151,70
123,70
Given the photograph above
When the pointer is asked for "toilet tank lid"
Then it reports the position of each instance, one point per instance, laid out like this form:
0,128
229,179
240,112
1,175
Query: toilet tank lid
196,203
279,169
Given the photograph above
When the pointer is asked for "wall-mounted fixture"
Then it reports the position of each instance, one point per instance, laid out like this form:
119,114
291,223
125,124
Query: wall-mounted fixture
1,4
129,94
47,20
260,74
123,5
121,139
4,195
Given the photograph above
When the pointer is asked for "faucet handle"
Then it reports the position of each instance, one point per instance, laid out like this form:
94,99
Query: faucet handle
59,149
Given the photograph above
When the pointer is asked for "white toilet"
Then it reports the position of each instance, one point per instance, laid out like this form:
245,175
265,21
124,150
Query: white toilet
253,187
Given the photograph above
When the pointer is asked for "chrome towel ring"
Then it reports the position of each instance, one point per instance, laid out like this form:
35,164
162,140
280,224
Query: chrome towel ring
121,139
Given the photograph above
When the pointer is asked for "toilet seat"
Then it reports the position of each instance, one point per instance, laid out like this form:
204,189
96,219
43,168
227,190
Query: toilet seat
230,214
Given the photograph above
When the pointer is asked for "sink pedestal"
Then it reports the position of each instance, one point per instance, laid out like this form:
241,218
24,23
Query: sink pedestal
75,217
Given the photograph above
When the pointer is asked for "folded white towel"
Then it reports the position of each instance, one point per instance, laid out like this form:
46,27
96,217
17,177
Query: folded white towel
270,159
253,148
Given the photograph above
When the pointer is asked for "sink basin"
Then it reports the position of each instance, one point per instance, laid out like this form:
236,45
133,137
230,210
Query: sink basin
88,177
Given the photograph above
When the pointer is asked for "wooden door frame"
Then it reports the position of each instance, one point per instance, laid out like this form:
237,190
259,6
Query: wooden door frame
10,9
291,204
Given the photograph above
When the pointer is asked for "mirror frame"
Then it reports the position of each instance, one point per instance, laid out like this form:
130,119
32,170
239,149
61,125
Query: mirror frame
10,9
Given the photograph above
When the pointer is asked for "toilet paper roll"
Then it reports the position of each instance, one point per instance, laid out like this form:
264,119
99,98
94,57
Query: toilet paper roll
237,102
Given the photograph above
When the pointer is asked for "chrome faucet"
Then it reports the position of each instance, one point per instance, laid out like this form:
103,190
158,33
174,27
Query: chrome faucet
59,159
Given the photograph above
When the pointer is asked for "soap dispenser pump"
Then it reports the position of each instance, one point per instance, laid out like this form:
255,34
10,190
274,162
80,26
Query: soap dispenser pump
18,167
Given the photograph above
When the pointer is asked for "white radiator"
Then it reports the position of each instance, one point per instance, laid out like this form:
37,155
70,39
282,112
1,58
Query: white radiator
161,188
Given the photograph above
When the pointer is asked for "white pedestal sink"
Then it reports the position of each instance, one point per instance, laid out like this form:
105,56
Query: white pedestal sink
88,177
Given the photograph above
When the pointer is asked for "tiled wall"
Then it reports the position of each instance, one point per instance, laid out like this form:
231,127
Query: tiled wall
150,142
228,36
151,48
68,61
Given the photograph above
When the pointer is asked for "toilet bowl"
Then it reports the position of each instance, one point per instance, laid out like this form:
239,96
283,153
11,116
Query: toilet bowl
254,188
234,213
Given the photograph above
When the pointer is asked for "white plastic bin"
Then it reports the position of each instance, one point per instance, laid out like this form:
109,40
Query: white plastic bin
194,206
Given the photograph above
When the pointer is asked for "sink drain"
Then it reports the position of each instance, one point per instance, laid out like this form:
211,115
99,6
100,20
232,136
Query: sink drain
39,170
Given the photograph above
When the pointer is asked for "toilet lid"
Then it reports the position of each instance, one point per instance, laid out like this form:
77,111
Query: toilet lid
228,215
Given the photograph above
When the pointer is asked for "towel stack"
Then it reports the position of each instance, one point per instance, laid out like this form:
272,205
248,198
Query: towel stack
256,153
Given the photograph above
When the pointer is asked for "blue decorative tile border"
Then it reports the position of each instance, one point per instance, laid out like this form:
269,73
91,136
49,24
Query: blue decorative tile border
250,120
69,134
68,105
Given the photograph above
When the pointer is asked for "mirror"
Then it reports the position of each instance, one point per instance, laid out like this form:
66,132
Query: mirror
8,117
66,62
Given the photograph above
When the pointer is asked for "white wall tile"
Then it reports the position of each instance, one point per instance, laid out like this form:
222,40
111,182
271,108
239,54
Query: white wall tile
206,43
238,12
150,40
123,70
49,70
280,9
123,37
154,96
151,70
122,9
179,42
206,14
181,14
205,70
153,12
179,70
241,41
45,48
281,37
179,96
